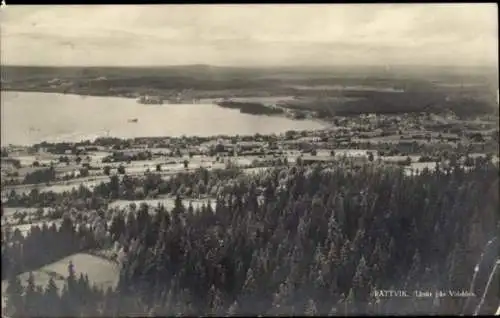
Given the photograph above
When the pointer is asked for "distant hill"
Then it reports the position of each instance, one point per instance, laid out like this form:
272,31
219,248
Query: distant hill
439,89
210,71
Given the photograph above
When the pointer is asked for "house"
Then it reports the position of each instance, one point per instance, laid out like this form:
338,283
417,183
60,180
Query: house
309,139
370,134
249,145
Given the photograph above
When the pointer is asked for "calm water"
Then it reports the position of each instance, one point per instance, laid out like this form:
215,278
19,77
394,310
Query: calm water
28,117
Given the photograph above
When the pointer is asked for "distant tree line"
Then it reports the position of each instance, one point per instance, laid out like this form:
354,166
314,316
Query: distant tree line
251,108
357,102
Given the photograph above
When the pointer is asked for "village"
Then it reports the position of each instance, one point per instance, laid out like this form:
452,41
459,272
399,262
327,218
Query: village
405,139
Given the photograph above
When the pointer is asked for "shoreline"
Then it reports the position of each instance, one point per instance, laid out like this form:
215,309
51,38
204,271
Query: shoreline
30,90
324,123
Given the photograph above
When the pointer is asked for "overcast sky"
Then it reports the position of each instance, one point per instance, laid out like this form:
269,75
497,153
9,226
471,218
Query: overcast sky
246,35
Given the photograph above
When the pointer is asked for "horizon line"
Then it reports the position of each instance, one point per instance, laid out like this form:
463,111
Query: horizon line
461,66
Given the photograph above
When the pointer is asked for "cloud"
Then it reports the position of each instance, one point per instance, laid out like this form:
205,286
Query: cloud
250,34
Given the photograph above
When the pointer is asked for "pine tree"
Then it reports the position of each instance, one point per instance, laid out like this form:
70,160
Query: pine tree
359,282
413,274
51,298
14,292
215,302
71,278
311,309
349,303
109,303
280,299
84,294
69,296
30,297
233,309
250,286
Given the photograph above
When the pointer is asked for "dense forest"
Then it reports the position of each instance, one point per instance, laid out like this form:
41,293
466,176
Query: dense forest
294,240
354,102
251,108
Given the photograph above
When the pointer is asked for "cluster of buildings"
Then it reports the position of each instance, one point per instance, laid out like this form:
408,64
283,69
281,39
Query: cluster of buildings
182,97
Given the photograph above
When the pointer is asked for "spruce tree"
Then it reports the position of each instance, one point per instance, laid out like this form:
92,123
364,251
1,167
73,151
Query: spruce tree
51,304
14,292
30,296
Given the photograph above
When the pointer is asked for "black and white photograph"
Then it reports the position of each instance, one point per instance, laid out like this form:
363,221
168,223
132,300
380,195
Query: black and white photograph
250,160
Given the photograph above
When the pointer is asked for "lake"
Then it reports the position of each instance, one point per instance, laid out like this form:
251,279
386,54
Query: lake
31,117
